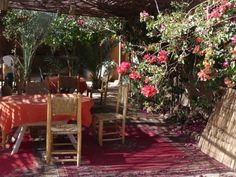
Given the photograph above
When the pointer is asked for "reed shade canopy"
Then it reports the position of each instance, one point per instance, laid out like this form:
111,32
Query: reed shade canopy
98,8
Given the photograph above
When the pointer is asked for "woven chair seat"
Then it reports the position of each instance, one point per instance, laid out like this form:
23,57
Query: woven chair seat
64,129
95,90
108,116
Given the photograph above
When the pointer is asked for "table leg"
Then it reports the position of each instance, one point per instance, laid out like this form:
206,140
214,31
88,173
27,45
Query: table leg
19,140
4,137
73,140
14,137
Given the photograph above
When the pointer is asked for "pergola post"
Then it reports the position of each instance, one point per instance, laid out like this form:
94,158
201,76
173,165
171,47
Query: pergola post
119,58
4,5
2,13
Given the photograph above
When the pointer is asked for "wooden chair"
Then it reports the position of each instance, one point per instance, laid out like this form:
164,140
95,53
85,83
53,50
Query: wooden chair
68,84
66,105
112,119
33,88
102,90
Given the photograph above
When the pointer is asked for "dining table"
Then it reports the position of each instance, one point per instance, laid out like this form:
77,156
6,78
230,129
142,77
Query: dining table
31,110
53,84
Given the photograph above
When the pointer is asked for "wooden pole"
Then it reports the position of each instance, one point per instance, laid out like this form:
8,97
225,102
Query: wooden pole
4,5
2,13
119,57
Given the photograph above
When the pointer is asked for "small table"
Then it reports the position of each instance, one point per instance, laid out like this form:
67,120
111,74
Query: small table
23,110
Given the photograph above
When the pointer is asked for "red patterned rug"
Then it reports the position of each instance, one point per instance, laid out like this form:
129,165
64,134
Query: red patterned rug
148,151
23,163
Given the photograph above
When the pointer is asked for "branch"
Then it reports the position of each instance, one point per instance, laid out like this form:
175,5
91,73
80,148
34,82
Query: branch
222,21
18,43
195,8
158,10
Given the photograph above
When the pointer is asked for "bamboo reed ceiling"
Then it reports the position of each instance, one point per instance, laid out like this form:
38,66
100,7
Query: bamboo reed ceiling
99,8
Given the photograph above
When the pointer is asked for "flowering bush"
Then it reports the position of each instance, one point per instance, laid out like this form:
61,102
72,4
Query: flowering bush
192,52
123,68
134,75
148,91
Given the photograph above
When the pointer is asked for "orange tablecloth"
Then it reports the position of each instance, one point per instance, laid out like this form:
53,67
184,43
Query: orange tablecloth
53,81
19,110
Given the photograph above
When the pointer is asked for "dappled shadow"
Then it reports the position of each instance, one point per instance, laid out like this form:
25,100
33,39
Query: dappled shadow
150,150
147,151
24,162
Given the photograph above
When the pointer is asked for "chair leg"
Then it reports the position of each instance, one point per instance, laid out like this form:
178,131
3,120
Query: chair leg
123,131
105,98
48,148
100,132
101,98
79,140
4,137
94,125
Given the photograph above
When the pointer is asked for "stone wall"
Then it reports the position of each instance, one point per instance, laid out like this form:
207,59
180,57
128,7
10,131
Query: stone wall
219,137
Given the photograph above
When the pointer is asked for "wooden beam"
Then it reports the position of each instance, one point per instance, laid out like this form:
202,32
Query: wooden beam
2,46
4,4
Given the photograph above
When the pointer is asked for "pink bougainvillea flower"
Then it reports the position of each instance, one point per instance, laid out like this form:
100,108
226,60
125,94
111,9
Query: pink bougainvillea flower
146,57
71,17
215,13
120,70
122,46
144,16
202,53
147,79
124,67
226,64
228,82
220,10
204,74
149,91
226,4
134,75
234,39
199,40
162,57
152,59
81,22
196,49
162,27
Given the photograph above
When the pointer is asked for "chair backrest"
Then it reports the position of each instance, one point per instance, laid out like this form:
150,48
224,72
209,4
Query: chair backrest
52,82
33,88
6,90
68,83
122,99
64,105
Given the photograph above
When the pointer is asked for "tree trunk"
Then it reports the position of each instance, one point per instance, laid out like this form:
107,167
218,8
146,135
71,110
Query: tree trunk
27,55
